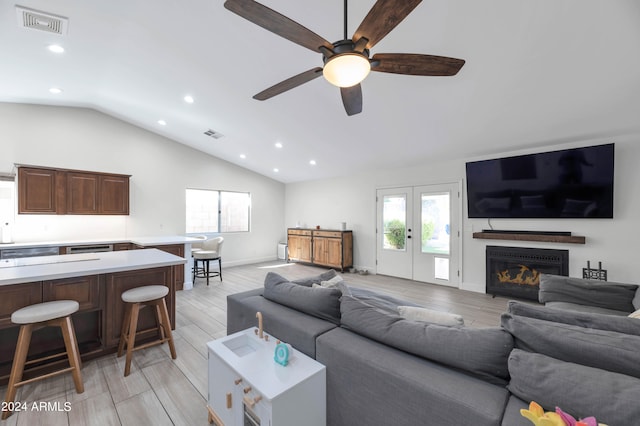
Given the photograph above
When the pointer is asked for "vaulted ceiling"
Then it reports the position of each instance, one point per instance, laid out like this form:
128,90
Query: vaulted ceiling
537,73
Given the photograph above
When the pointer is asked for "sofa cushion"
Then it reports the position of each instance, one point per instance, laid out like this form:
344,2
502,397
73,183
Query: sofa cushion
579,390
316,279
574,307
608,295
320,302
286,324
369,383
636,299
583,319
609,350
482,352
414,313
512,416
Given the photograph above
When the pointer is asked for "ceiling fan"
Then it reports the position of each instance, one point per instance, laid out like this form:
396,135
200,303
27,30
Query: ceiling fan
347,62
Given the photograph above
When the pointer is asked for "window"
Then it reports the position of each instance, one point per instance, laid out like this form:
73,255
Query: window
211,211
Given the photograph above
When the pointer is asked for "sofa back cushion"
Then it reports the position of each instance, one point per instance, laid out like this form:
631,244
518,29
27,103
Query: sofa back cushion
610,295
482,352
620,324
320,302
577,389
608,350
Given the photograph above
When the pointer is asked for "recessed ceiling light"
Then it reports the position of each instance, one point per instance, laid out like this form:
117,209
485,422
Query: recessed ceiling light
278,145
55,90
275,170
55,48
312,162
188,99
243,156
162,122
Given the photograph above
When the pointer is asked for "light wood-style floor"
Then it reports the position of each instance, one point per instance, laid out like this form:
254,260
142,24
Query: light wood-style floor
160,391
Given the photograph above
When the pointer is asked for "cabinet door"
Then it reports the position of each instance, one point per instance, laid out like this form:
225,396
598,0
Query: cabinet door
14,297
178,250
334,252
40,191
114,195
84,290
225,397
82,193
320,251
300,248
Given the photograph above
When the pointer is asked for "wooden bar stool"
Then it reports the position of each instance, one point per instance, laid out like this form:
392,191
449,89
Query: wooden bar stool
31,318
150,295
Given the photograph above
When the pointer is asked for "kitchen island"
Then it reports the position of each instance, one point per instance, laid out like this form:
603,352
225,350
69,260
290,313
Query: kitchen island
96,281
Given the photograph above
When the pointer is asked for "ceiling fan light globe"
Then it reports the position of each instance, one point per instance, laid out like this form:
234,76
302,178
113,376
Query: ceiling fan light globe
346,69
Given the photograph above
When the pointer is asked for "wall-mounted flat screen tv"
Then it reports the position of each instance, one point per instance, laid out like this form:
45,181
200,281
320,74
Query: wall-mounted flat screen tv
572,183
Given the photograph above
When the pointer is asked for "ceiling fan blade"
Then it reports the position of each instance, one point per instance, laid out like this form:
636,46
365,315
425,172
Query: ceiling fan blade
382,18
278,24
415,64
352,99
289,84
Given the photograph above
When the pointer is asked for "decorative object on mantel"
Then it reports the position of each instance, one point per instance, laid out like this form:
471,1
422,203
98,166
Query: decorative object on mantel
594,274
539,236
538,417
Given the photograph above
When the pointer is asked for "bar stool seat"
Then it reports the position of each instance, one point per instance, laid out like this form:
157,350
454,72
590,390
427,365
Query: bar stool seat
57,314
211,251
149,295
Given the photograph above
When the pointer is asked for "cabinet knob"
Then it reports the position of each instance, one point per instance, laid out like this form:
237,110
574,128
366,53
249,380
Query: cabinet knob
247,389
237,381
257,399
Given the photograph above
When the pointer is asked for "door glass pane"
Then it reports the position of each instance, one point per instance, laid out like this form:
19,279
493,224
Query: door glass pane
441,268
394,222
436,227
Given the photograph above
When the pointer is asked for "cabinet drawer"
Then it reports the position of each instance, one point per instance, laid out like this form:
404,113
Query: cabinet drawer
306,232
327,234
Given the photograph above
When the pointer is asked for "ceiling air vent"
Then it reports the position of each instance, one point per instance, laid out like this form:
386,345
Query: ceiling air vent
213,134
36,20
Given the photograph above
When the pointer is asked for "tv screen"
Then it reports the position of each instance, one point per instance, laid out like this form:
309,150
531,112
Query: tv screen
572,183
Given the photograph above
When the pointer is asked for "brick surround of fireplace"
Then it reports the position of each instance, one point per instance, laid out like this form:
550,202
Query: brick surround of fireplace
515,271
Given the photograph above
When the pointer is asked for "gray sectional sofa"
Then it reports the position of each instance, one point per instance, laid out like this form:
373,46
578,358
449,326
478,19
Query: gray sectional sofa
384,369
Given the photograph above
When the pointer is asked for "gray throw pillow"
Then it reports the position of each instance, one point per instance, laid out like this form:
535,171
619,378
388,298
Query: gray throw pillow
320,302
317,279
582,319
578,390
636,299
608,350
414,313
482,352
610,295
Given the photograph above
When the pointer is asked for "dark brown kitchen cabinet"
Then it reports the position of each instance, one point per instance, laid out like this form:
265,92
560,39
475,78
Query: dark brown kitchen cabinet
55,191
41,191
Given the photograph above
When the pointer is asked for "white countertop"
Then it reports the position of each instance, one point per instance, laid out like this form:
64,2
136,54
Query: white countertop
141,241
41,268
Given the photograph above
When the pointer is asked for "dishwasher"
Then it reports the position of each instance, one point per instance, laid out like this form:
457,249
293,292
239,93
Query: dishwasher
19,253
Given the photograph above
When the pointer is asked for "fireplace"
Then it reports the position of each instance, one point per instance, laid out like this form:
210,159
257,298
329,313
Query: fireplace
515,271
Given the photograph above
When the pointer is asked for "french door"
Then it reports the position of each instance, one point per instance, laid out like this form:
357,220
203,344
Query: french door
418,233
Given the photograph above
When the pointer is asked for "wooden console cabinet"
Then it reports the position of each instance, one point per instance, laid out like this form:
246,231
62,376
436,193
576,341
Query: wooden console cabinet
44,190
321,247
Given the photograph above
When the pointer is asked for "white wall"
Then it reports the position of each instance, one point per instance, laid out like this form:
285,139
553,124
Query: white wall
352,199
161,169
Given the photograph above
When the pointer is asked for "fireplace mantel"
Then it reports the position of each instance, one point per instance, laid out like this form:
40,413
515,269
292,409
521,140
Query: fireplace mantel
530,236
